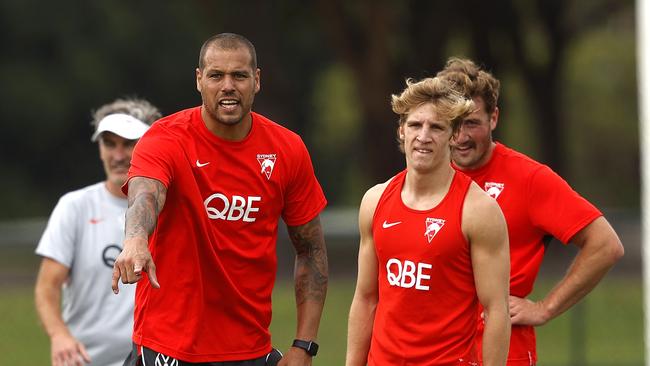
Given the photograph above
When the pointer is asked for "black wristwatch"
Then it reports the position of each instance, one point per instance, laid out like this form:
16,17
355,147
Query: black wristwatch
310,347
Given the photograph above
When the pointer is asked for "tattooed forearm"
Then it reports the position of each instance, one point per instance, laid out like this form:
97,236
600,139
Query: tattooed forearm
146,199
311,261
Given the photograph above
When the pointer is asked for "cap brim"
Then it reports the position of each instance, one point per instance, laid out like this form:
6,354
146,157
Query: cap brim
123,125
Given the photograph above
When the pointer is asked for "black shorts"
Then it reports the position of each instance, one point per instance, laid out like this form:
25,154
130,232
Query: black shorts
148,357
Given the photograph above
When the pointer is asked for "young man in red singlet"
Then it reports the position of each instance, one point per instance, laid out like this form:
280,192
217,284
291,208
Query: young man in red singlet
537,204
433,246
206,189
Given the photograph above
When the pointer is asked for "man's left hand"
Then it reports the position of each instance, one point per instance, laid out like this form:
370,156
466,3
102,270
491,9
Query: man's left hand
527,312
295,357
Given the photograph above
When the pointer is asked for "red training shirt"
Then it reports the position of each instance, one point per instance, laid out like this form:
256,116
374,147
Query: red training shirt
537,203
215,242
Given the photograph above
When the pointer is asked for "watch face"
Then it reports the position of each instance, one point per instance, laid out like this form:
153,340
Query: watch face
313,348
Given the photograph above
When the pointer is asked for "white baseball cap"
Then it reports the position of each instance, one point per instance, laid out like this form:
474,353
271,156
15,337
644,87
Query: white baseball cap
121,124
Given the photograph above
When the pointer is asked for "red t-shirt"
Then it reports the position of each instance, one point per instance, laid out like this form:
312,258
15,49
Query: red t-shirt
426,314
537,203
214,244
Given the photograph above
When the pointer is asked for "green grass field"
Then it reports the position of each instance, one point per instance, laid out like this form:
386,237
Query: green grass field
613,326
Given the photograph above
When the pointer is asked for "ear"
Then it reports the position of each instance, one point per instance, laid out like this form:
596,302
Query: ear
494,119
257,80
400,131
198,79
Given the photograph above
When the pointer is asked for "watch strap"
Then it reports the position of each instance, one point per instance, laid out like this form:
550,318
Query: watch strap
310,347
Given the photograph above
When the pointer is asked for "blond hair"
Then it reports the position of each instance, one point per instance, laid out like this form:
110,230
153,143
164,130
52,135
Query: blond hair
450,104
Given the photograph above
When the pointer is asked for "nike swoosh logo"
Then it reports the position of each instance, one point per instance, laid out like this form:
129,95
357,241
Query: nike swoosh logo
201,165
386,224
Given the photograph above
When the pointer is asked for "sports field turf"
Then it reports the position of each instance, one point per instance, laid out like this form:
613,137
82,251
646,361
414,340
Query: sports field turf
613,332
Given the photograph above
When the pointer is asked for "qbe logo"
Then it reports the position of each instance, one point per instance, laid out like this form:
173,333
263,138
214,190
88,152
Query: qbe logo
408,274
219,207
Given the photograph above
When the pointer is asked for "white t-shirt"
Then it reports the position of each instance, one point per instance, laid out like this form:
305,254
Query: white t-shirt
85,234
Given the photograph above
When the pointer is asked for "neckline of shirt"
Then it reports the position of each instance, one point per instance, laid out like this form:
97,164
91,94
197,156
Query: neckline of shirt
203,130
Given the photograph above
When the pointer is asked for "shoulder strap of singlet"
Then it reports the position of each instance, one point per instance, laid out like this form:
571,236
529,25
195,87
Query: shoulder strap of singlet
394,184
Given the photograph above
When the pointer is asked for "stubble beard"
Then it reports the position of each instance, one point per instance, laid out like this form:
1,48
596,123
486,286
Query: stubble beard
468,161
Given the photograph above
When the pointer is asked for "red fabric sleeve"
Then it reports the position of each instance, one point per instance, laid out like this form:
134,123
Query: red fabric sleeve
154,156
304,197
556,208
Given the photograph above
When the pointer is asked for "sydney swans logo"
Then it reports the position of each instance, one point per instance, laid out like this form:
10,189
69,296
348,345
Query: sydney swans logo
494,189
267,163
433,226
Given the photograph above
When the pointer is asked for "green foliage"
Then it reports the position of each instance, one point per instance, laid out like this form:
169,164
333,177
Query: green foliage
62,59
336,132
601,105
516,124
336,108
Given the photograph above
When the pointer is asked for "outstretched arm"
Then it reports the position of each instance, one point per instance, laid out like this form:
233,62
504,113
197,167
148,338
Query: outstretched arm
146,200
310,275
65,348
600,249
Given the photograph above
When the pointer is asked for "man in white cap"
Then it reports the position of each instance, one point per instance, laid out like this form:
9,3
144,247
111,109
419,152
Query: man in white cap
78,248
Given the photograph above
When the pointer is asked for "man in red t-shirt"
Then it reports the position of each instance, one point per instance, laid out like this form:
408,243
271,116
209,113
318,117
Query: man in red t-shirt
433,246
537,204
207,186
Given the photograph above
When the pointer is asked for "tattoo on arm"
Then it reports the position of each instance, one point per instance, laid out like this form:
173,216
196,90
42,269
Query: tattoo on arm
311,261
146,200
